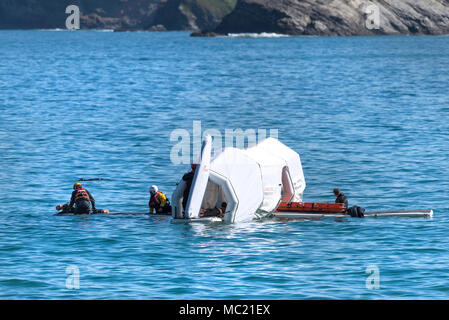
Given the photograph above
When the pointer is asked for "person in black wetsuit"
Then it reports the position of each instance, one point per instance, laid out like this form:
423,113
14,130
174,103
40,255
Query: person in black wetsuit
81,199
341,198
188,178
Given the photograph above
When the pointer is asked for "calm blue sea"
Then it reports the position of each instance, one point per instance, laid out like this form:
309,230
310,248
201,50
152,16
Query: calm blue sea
367,114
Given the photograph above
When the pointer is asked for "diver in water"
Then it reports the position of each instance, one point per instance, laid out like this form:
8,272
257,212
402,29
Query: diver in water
341,198
81,199
158,201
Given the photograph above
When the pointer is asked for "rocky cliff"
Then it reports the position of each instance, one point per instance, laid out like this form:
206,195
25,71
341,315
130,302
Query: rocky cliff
338,17
295,17
116,14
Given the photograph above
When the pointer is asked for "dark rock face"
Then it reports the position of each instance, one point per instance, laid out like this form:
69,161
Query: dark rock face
173,16
23,14
94,14
117,14
337,17
193,14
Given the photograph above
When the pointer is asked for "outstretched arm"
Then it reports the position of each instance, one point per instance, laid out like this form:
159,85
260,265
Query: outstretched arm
152,204
72,200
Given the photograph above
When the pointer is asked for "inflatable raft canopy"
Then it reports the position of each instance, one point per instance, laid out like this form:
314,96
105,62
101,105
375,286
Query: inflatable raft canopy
252,182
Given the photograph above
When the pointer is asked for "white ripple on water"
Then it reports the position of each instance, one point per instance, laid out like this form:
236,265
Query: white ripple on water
258,35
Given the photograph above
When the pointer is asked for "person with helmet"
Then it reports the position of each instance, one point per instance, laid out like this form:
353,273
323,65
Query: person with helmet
81,199
158,201
188,178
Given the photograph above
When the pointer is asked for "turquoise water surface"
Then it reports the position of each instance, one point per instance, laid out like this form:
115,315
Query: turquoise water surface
367,114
